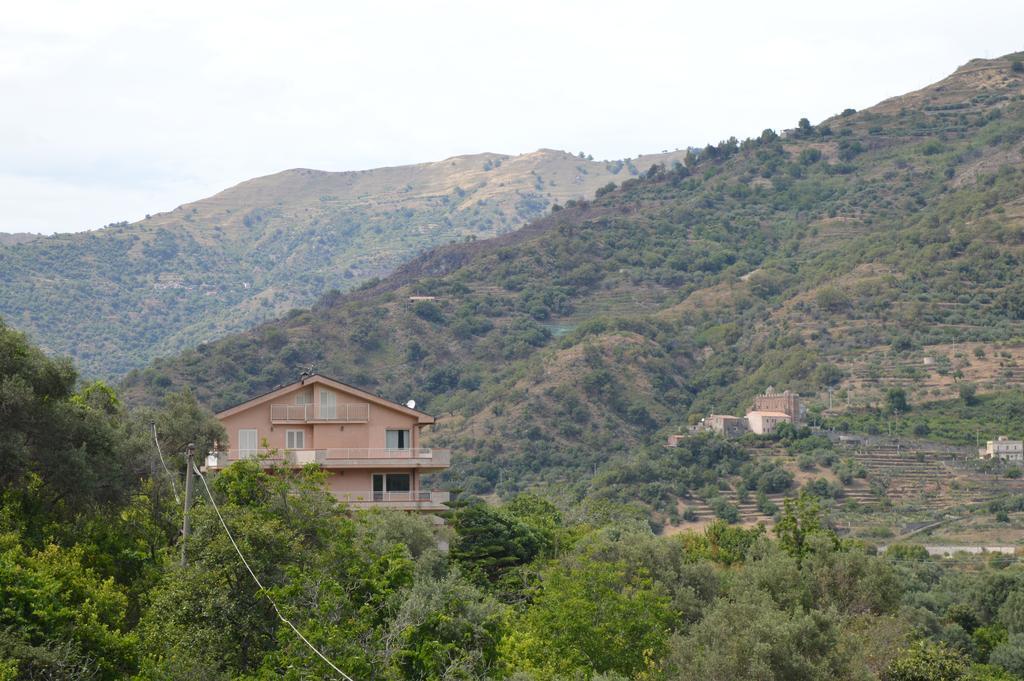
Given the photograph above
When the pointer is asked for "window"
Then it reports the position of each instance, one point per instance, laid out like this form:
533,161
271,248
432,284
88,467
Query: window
397,439
304,397
328,405
390,482
295,439
247,443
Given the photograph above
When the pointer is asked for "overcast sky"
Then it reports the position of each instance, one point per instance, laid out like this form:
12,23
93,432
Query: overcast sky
111,110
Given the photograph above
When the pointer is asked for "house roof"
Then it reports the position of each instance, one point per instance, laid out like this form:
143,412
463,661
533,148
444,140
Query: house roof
758,412
313,379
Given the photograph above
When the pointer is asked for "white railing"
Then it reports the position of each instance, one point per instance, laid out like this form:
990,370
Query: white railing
333,457
415,496
305,413
385,453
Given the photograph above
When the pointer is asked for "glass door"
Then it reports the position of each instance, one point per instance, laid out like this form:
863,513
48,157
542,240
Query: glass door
378,487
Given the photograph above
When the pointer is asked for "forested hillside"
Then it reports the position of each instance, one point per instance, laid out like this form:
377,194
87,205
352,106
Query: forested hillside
116,297
828,256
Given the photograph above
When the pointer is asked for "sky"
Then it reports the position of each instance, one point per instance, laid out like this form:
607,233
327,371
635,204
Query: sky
112,110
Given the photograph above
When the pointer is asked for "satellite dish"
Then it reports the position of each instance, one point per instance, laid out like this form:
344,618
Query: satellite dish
411,404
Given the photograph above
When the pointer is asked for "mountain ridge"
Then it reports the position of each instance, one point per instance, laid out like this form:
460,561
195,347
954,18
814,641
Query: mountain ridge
116,297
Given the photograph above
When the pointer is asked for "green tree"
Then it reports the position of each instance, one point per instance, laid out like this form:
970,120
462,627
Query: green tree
896,401
747,636
801,519
968,393
443,629
1011,613
49,596
927,661
588,620
490,544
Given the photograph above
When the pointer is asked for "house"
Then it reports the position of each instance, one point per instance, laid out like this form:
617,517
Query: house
786,402
368,446
727,426
764,422
1003,448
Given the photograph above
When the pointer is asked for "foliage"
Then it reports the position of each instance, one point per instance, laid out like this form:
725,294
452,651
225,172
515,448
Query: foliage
800,521
591,619
927,662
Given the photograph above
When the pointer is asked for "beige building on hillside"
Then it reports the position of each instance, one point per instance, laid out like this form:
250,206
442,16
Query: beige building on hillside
368,446
1003,448
764,422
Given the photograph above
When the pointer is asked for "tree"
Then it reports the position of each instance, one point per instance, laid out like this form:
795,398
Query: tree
801,519
50,597
748,636
968,393
1010,655
927,661
592,618
1011,613
490,544
443,629
896,401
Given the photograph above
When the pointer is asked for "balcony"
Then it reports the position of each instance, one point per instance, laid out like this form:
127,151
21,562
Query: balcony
424,458
319,413
416,500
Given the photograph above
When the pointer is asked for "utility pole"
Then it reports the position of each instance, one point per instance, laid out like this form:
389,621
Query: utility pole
186,524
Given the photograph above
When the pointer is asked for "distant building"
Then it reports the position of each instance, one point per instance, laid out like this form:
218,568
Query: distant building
786,402
727,426
1004,449
764,422
674,440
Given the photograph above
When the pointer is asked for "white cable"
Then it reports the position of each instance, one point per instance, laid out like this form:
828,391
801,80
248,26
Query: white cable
256,579
174,487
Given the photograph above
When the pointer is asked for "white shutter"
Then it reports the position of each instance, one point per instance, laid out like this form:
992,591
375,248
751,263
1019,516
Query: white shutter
247,442
328,405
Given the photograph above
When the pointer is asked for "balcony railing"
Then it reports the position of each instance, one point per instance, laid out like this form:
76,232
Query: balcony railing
414,456
311,413
422,496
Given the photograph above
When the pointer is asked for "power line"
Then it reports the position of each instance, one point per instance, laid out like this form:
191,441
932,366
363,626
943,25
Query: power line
174,487
256,579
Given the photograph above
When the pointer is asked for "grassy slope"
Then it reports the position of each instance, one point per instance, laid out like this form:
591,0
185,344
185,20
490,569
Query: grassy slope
116,297
778,261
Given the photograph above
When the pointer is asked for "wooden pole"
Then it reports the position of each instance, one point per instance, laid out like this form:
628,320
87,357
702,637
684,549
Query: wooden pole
186,521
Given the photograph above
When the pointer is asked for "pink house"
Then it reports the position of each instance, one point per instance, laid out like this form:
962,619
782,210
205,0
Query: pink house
368,446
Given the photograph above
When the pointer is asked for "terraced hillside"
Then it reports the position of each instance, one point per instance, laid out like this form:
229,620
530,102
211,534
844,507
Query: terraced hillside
581,340
897,491
116,297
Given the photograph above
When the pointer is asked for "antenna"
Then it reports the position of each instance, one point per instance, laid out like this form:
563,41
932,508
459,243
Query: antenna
411,404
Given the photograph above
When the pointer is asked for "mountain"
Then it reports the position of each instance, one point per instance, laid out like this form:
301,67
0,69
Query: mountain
833,256
9,239
115,298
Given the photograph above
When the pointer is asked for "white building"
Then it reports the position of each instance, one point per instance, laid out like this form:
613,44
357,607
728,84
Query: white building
1003,448
764,422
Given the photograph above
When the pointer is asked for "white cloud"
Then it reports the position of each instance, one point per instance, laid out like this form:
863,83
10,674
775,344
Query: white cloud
115,109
